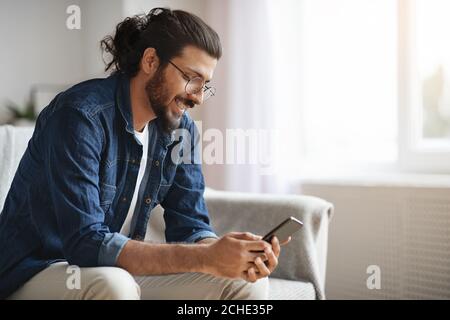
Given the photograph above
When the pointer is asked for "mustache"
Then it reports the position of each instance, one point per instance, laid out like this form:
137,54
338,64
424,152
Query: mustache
187,102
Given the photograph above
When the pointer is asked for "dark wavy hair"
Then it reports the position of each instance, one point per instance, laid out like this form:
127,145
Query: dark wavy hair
168,31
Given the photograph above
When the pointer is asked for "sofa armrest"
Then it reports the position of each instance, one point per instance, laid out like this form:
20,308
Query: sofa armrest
304,258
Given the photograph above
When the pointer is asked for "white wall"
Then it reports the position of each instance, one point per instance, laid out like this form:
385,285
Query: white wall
399,226
197,7
100,18
37,48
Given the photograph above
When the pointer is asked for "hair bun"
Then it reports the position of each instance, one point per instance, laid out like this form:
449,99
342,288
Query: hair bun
163,29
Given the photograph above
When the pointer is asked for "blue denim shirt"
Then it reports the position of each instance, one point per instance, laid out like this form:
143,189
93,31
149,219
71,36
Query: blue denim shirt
74,184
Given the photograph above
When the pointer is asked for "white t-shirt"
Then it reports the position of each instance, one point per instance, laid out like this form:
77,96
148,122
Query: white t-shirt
143,139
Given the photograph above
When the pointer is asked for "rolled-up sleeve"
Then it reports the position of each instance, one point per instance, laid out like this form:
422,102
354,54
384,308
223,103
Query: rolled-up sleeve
74,147
110,249
185,212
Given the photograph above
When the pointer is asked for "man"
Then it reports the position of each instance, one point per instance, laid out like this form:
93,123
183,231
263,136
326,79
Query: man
101,157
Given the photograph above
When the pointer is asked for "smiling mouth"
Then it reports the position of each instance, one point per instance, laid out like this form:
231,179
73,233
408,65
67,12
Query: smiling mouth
182,104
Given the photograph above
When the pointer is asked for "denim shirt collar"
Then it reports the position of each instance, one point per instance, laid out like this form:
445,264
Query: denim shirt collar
124,105
123,100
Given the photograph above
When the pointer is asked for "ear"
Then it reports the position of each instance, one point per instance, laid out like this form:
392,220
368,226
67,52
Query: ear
149,61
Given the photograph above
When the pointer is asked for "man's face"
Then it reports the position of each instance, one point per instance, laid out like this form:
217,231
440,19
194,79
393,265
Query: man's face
166,89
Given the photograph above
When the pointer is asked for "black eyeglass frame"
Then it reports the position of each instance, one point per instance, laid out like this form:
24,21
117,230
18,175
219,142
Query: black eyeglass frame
208,91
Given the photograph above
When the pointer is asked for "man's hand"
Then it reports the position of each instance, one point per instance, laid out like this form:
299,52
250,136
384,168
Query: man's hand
207,240
261,268
235,253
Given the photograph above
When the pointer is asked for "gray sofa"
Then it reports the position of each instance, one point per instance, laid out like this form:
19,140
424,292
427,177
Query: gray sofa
301,270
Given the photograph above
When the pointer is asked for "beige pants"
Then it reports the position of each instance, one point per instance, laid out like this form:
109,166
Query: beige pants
59,281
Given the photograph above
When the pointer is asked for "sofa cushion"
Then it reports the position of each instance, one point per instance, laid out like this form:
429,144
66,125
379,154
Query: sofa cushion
13,142
281,289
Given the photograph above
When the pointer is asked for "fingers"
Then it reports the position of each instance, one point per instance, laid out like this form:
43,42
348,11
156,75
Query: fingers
252,265
260,245
272,260
252,242
256,271
250,275
261,256
286,241
253,255
264,271
276,246
245,236
259,268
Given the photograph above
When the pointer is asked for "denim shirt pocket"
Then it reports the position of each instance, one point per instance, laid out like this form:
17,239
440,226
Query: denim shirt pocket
167,177
107,194
164,188
168,172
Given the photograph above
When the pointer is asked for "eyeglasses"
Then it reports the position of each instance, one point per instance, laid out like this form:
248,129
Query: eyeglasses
196,84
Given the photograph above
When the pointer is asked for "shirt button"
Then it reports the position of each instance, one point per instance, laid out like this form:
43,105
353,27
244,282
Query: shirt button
124,199
148,200
157,163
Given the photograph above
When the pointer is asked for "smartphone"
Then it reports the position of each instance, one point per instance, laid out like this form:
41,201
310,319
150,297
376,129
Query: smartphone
284,230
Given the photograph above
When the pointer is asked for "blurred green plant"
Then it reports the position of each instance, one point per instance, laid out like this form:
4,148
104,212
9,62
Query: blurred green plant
26,111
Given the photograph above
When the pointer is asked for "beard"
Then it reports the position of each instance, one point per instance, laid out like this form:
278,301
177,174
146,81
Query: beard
158,96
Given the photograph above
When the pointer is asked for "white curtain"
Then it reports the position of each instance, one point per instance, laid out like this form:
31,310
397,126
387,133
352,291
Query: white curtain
258,89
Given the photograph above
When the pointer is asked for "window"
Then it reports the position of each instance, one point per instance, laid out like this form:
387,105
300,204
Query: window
433,61
374,87
348,67
424,85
